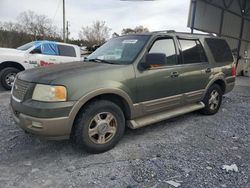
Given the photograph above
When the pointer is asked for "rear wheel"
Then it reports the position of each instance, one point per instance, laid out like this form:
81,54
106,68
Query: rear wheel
212,100
99,126
8,76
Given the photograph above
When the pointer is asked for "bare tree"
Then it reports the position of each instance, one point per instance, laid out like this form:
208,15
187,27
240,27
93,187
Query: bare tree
29,26
137,29
9,26
38,26
96,34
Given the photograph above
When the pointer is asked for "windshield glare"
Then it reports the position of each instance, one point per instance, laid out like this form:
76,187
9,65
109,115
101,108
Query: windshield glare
121,50
26,46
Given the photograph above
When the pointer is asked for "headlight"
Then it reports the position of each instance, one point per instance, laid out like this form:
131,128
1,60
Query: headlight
49,93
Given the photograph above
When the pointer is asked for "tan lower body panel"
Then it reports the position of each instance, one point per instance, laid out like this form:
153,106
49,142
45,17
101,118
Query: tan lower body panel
48,128
157,117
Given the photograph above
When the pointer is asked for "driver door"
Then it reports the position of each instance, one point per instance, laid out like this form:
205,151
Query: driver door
44,54
159,88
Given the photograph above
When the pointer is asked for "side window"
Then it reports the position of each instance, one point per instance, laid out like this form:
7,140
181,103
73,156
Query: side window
37,50
66,51
49,49
192,51
220,50
167,47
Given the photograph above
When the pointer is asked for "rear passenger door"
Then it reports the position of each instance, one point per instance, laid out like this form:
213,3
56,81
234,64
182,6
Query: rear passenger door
196,69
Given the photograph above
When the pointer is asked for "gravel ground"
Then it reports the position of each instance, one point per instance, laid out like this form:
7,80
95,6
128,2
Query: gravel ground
189,150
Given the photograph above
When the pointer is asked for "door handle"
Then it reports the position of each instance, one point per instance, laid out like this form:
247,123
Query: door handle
52,59
208,70
174,74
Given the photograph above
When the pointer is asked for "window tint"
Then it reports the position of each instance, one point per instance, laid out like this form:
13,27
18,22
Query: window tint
192,51
220,50
66,51
167,47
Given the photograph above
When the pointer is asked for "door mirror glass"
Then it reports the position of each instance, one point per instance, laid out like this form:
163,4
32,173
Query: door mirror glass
155,60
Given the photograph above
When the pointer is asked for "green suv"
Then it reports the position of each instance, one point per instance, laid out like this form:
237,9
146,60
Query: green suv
133,80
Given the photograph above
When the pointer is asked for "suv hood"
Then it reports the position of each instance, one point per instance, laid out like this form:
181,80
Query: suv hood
10,51
57,72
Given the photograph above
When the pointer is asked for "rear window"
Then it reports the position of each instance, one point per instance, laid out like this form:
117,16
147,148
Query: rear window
66,51
192,51
220,50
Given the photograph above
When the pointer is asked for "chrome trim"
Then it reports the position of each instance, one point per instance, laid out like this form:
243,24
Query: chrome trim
14,98
11,91
178,65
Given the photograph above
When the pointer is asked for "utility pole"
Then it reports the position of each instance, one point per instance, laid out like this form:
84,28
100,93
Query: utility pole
64,38
67,31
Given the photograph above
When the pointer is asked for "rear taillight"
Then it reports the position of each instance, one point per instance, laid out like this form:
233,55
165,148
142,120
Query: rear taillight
234,69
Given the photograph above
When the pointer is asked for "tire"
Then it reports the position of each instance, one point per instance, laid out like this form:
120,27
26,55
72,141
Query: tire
212,103
99,127
7,77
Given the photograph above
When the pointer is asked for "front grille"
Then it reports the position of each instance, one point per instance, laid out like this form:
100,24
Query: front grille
19,89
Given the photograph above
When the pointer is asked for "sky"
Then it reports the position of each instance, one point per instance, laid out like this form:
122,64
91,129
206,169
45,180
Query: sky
155,15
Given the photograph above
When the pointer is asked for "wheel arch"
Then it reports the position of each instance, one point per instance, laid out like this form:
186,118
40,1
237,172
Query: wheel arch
119,97
222,85
13,64
219,81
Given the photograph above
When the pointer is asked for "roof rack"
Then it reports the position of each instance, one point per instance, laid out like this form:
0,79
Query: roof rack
185,33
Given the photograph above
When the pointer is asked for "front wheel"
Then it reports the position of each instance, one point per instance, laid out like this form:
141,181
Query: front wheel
212,100
8,76
99,126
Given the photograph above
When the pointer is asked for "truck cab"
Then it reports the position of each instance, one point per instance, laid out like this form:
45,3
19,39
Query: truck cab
34,54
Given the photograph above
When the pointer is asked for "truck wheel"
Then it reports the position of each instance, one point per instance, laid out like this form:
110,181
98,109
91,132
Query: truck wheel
8,76
212,100
99,126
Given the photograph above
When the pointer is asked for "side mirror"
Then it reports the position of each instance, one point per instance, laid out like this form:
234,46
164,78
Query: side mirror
36,51
155,60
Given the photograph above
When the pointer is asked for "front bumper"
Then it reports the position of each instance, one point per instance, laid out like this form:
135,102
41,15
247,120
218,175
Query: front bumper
52,128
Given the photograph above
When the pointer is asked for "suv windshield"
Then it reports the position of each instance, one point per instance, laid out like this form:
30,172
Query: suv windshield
26,46
120,50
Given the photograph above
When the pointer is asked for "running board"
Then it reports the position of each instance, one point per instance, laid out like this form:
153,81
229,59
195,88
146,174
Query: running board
154,118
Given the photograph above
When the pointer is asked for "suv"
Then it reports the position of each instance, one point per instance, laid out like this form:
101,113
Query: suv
132,80
33,54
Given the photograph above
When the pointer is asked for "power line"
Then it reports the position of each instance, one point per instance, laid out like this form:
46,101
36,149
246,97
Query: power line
57,8
64,38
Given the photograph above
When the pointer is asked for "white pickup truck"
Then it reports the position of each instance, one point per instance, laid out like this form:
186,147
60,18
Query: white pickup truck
34,54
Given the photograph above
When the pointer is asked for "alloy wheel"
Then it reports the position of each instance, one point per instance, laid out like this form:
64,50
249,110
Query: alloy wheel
214,100
102,128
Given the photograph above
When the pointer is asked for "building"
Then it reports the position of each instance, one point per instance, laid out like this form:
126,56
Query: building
229,19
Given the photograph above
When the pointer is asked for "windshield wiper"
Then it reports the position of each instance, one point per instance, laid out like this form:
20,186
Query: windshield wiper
100,61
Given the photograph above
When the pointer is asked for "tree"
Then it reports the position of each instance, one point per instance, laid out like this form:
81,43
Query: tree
137,29
9,26
96,34
29,26
38,26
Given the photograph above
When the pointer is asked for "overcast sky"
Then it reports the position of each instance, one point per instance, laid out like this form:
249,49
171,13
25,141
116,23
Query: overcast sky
155,15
